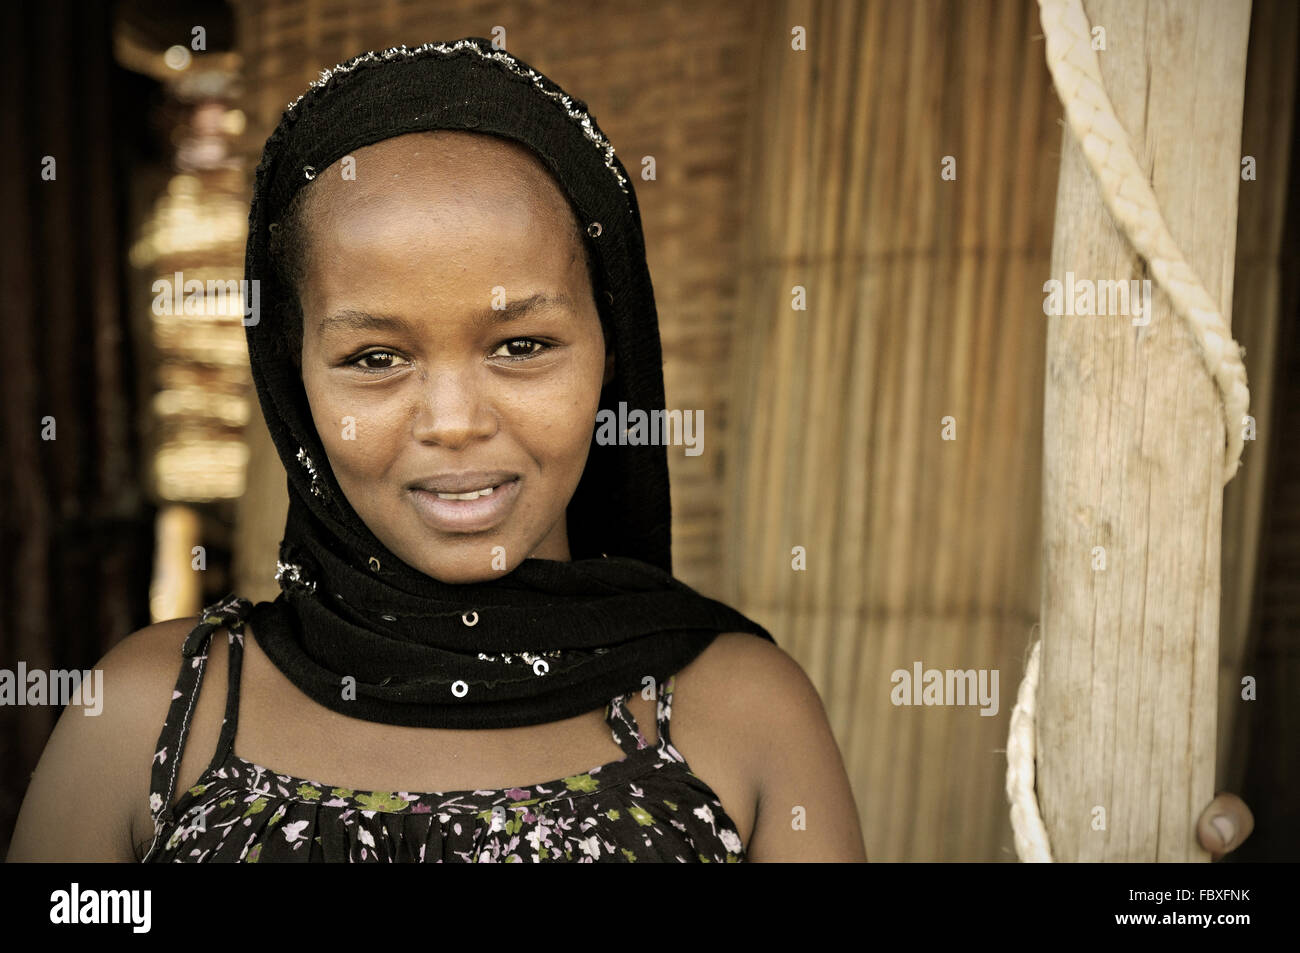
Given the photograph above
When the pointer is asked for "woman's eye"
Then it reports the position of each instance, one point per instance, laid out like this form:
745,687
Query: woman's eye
520,348
376,361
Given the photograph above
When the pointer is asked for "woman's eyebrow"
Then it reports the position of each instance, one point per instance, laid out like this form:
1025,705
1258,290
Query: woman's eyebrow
350,320
521,306
353,320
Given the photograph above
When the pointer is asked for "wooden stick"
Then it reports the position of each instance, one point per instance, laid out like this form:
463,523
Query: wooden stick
1133,458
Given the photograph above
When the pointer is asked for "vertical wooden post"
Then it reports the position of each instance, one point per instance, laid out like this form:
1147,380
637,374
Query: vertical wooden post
1133,457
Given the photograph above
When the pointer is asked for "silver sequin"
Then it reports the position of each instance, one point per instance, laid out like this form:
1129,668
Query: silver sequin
500,56
311,469
527,658
291,574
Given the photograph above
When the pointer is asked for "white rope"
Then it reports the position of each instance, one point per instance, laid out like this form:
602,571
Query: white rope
1127,194
1026,824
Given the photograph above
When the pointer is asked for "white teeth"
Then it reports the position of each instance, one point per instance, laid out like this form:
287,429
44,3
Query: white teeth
471,495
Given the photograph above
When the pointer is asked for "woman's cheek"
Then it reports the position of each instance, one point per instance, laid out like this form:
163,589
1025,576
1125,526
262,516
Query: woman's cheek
565,432
353,437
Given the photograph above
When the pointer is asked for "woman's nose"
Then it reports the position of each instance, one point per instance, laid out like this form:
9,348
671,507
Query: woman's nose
453,410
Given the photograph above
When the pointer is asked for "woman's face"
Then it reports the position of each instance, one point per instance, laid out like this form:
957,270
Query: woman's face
451,346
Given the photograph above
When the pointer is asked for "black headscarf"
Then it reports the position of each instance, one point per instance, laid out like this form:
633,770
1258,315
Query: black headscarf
354,627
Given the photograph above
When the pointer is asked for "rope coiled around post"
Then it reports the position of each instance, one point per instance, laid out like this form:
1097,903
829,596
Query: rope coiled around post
1127,194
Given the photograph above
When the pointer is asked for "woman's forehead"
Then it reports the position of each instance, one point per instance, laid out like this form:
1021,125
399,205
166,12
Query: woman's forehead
469,181
445,161
421,223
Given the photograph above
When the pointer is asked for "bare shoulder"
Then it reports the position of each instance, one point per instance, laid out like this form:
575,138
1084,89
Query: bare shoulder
151,653
753,678
758,665
151,667
141,672
81,804
764,704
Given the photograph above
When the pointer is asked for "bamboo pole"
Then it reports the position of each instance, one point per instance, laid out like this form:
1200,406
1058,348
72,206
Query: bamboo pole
262,511
1133,458
175,591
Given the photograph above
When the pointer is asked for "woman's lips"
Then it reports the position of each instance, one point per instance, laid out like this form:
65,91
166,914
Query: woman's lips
466,516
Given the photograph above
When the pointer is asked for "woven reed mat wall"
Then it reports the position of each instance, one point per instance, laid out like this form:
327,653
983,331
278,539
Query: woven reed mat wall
670,80
924,300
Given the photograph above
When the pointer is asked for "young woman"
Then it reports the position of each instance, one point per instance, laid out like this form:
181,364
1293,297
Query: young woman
477,595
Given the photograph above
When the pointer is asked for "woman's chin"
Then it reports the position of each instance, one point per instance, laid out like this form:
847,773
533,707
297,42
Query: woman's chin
482,564
461,575
462,560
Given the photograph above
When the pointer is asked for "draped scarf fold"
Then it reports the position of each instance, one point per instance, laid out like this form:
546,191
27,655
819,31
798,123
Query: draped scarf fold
354,627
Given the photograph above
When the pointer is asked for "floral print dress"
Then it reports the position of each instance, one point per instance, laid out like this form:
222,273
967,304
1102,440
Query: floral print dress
648,806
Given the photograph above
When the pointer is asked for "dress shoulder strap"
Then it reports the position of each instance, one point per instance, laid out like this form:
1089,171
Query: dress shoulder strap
664,714
627,734
229,613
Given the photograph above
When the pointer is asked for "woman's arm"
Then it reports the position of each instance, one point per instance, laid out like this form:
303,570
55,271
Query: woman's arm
806,810
93,776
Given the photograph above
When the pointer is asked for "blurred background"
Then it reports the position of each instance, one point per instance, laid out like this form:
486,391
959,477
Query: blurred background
162,490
